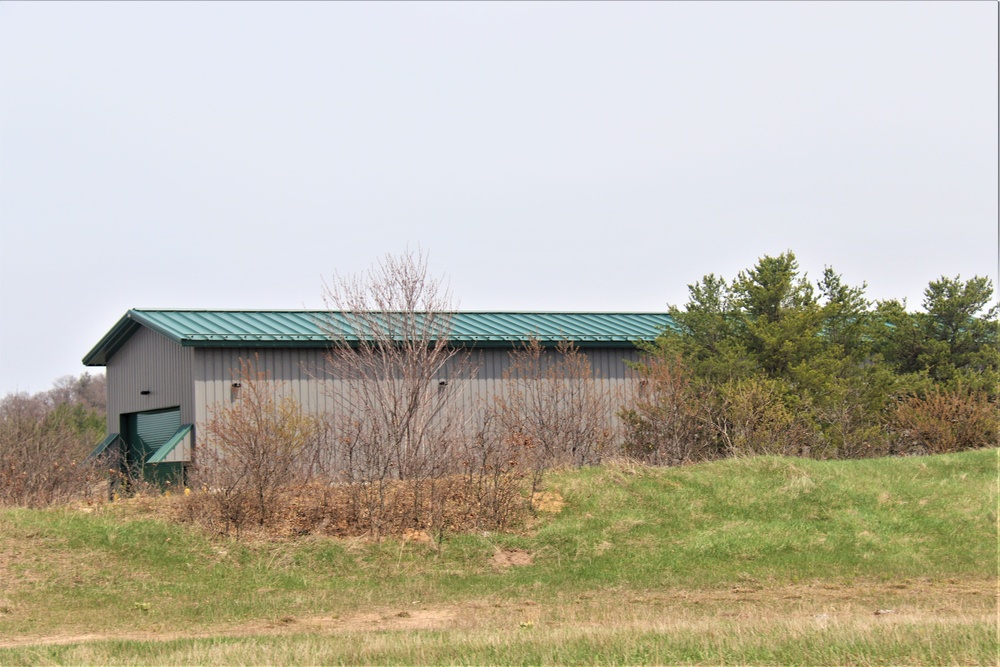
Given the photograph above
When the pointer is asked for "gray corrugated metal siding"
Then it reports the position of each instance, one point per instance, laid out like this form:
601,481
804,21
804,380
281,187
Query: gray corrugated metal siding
150,362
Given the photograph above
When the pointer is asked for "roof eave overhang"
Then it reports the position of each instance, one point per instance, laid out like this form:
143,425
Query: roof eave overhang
119,335
111,342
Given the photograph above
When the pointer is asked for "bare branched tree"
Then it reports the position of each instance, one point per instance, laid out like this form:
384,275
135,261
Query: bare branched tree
395,377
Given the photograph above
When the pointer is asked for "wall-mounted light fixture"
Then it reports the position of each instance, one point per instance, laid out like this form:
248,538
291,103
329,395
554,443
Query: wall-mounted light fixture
443,383
144,392
234,391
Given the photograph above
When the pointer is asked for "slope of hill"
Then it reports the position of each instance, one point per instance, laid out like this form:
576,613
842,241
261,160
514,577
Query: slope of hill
754,560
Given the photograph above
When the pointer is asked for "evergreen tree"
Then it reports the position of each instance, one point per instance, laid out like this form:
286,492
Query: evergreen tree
953,343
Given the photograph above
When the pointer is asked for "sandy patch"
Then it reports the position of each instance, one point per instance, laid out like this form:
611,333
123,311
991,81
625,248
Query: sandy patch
415,619
410,535
505,558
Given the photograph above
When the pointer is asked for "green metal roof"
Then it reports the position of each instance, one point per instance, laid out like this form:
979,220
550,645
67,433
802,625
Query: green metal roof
304,328
101,447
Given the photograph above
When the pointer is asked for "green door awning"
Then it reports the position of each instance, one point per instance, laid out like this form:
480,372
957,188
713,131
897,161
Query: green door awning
107,442
166,448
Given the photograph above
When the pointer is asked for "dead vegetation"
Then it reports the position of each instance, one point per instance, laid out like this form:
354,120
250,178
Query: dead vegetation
332,509
43,450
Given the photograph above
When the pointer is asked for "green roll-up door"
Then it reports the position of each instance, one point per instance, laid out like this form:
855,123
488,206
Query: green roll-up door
148,431
155,428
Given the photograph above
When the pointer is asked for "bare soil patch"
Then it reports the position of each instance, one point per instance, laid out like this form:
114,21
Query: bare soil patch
505,558
385,619
421,536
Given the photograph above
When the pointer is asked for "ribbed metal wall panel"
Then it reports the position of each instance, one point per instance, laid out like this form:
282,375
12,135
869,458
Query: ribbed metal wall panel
150,362
302,374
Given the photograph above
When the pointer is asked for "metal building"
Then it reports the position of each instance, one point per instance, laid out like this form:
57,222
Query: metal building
168,369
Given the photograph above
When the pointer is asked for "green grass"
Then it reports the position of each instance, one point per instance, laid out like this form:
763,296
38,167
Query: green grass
779,518
642,565
730,644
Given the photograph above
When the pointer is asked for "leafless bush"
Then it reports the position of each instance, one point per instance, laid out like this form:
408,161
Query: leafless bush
495,462
555,407
852,416
666,420
42,456
946,420
256,446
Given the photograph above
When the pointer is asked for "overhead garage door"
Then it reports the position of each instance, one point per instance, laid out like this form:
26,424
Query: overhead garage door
155,428
147,432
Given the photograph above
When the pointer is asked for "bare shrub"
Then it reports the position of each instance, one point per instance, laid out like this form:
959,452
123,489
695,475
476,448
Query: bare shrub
852,415
555,407
495,462
946,420
43,455
666,419
256,446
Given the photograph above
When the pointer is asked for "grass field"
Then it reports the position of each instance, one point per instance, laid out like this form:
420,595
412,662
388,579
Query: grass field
750,561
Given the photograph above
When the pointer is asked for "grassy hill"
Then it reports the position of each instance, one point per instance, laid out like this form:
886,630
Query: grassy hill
765,560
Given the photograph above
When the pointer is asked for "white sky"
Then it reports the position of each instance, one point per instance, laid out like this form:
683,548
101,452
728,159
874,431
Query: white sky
563,156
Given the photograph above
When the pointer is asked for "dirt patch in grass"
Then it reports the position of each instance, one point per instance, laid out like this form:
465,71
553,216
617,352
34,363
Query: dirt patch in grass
404,618
422,536
506,558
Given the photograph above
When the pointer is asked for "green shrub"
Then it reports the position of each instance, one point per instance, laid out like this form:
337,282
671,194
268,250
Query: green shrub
750,418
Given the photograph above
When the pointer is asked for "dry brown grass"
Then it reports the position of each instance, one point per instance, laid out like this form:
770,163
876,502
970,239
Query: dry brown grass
410,506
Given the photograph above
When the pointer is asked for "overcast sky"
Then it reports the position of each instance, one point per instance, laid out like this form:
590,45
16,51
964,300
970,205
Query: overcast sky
563,156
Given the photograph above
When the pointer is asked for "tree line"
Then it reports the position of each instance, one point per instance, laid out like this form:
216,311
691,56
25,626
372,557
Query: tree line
771,363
